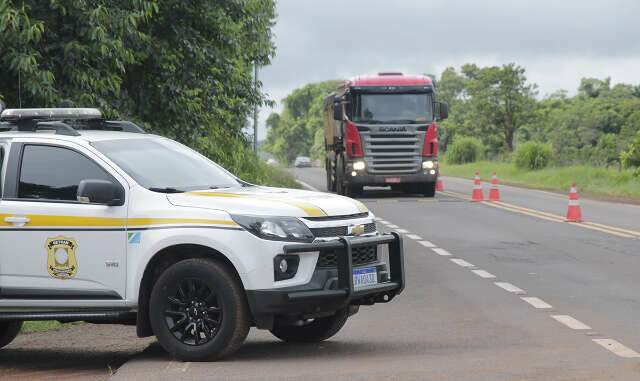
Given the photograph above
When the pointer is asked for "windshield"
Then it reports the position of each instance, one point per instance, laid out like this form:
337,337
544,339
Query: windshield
165,166
392,108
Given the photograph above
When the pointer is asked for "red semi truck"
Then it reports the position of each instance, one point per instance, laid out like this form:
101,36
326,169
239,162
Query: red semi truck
380,130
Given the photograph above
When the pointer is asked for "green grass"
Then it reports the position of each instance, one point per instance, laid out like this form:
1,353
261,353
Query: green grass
41,326
594,181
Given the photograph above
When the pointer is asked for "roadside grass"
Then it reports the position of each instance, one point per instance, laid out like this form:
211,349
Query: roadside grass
592,181
278,177
42,326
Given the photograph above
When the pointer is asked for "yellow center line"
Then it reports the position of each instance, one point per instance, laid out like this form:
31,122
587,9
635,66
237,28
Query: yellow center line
619,232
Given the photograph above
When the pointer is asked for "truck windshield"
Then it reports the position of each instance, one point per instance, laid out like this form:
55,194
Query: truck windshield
163,165
392,108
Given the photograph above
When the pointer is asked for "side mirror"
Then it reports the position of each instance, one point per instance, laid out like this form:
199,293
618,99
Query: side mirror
100,192
337,111
442,110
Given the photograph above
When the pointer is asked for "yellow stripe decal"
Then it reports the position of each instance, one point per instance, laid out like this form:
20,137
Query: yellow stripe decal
361,207
44,220
310,209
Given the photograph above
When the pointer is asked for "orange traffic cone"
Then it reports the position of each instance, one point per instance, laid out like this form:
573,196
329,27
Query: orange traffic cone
494,192
477,194
574,213
439,185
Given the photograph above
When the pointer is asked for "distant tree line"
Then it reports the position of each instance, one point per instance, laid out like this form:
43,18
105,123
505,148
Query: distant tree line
182,69
499,108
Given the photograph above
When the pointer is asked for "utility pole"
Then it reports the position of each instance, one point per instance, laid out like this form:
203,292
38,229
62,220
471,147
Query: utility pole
255,109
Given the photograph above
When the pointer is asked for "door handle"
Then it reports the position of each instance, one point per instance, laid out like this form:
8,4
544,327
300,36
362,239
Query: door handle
18,221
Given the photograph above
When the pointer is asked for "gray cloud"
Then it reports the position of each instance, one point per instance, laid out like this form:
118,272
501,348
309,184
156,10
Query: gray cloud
558,42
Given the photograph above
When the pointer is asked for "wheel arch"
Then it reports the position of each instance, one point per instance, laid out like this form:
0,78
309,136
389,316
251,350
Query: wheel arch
162,260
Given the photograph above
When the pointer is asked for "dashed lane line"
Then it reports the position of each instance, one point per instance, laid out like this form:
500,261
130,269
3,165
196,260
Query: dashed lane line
392,226
402,231
617,348
441,251
426,244
483,274
571,322
509,287
462,262
309,187
537,302
414,236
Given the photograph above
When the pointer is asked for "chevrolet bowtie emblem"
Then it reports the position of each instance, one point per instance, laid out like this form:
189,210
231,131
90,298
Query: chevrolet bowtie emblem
356,230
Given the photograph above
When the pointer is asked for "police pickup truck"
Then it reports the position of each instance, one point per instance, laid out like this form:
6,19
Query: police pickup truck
100,222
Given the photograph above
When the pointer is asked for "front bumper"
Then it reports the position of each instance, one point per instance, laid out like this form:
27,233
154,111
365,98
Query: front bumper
307,302
364,178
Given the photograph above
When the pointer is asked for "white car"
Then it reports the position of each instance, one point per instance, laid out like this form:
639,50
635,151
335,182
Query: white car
302,162
100,222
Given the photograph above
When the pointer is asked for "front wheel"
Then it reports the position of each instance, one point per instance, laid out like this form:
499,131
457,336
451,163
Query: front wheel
310,331
8,331
198,310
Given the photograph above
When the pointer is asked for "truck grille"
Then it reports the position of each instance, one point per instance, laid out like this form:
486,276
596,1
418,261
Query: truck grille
361,255
392,152
340,231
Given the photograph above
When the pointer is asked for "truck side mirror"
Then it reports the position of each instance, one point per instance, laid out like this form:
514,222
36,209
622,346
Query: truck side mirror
104,192
337,111
442,110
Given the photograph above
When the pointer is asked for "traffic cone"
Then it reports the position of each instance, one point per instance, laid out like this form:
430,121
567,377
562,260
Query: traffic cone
574,213
494,192
477,194
439,185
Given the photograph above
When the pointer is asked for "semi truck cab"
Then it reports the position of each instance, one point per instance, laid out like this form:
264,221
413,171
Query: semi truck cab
381,130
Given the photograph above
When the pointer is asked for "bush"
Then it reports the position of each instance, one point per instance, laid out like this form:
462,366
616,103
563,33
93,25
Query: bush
464,150
630,158
532,155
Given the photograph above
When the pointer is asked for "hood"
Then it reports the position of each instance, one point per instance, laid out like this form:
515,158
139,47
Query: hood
266,201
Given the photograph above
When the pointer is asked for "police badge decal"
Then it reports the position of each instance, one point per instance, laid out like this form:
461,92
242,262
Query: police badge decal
61,257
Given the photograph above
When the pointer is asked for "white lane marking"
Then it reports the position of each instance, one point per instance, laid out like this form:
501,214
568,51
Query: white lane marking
571,322
309,187
414,236
483,274
442,252
392,226
509,287
401,231
380,220
426,244
617,348
462,262
536,302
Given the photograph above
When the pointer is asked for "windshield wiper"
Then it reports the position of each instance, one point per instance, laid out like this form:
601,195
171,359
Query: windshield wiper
166,190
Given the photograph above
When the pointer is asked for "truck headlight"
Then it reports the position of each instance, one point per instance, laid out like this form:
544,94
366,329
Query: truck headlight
275,228
359,165
428,164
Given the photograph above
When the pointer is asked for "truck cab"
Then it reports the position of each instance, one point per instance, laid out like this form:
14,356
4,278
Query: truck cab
381,130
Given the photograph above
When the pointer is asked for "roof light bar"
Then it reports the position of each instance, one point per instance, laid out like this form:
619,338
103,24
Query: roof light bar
50,113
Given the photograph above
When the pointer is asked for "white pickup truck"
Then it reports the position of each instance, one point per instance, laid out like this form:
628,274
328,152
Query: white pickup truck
100,222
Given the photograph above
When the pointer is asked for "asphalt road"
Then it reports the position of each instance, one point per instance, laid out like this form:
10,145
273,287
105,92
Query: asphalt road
507,292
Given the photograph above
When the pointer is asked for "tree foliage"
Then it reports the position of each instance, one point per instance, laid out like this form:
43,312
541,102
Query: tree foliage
180,68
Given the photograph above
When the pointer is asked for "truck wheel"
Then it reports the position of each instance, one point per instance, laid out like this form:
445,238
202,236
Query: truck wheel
311,331
198,311
341,189
8,331
428,189
331,184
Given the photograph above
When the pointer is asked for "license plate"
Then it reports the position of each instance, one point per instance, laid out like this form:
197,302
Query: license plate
365,277
392,180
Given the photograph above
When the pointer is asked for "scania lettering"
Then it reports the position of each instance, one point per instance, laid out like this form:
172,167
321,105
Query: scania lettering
381,130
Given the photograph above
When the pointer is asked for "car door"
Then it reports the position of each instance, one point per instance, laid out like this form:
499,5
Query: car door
51,245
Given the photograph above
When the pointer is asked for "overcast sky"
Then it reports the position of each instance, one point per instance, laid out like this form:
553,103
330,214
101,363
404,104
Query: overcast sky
558,42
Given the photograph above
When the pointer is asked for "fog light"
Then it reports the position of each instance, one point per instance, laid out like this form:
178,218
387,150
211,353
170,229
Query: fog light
283,265
358,165
354,174
428,164
432,172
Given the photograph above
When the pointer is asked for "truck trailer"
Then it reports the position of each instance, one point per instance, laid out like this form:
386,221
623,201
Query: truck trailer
380,130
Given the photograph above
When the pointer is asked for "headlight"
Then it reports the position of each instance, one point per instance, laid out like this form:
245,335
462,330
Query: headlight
428,164
358,165
275,228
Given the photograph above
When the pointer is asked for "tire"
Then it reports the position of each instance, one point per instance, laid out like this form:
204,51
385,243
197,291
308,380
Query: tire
199,296
428,189
341,189
313,331
8,331
331,184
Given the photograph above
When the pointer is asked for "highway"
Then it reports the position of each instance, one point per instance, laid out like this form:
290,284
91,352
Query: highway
501,291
